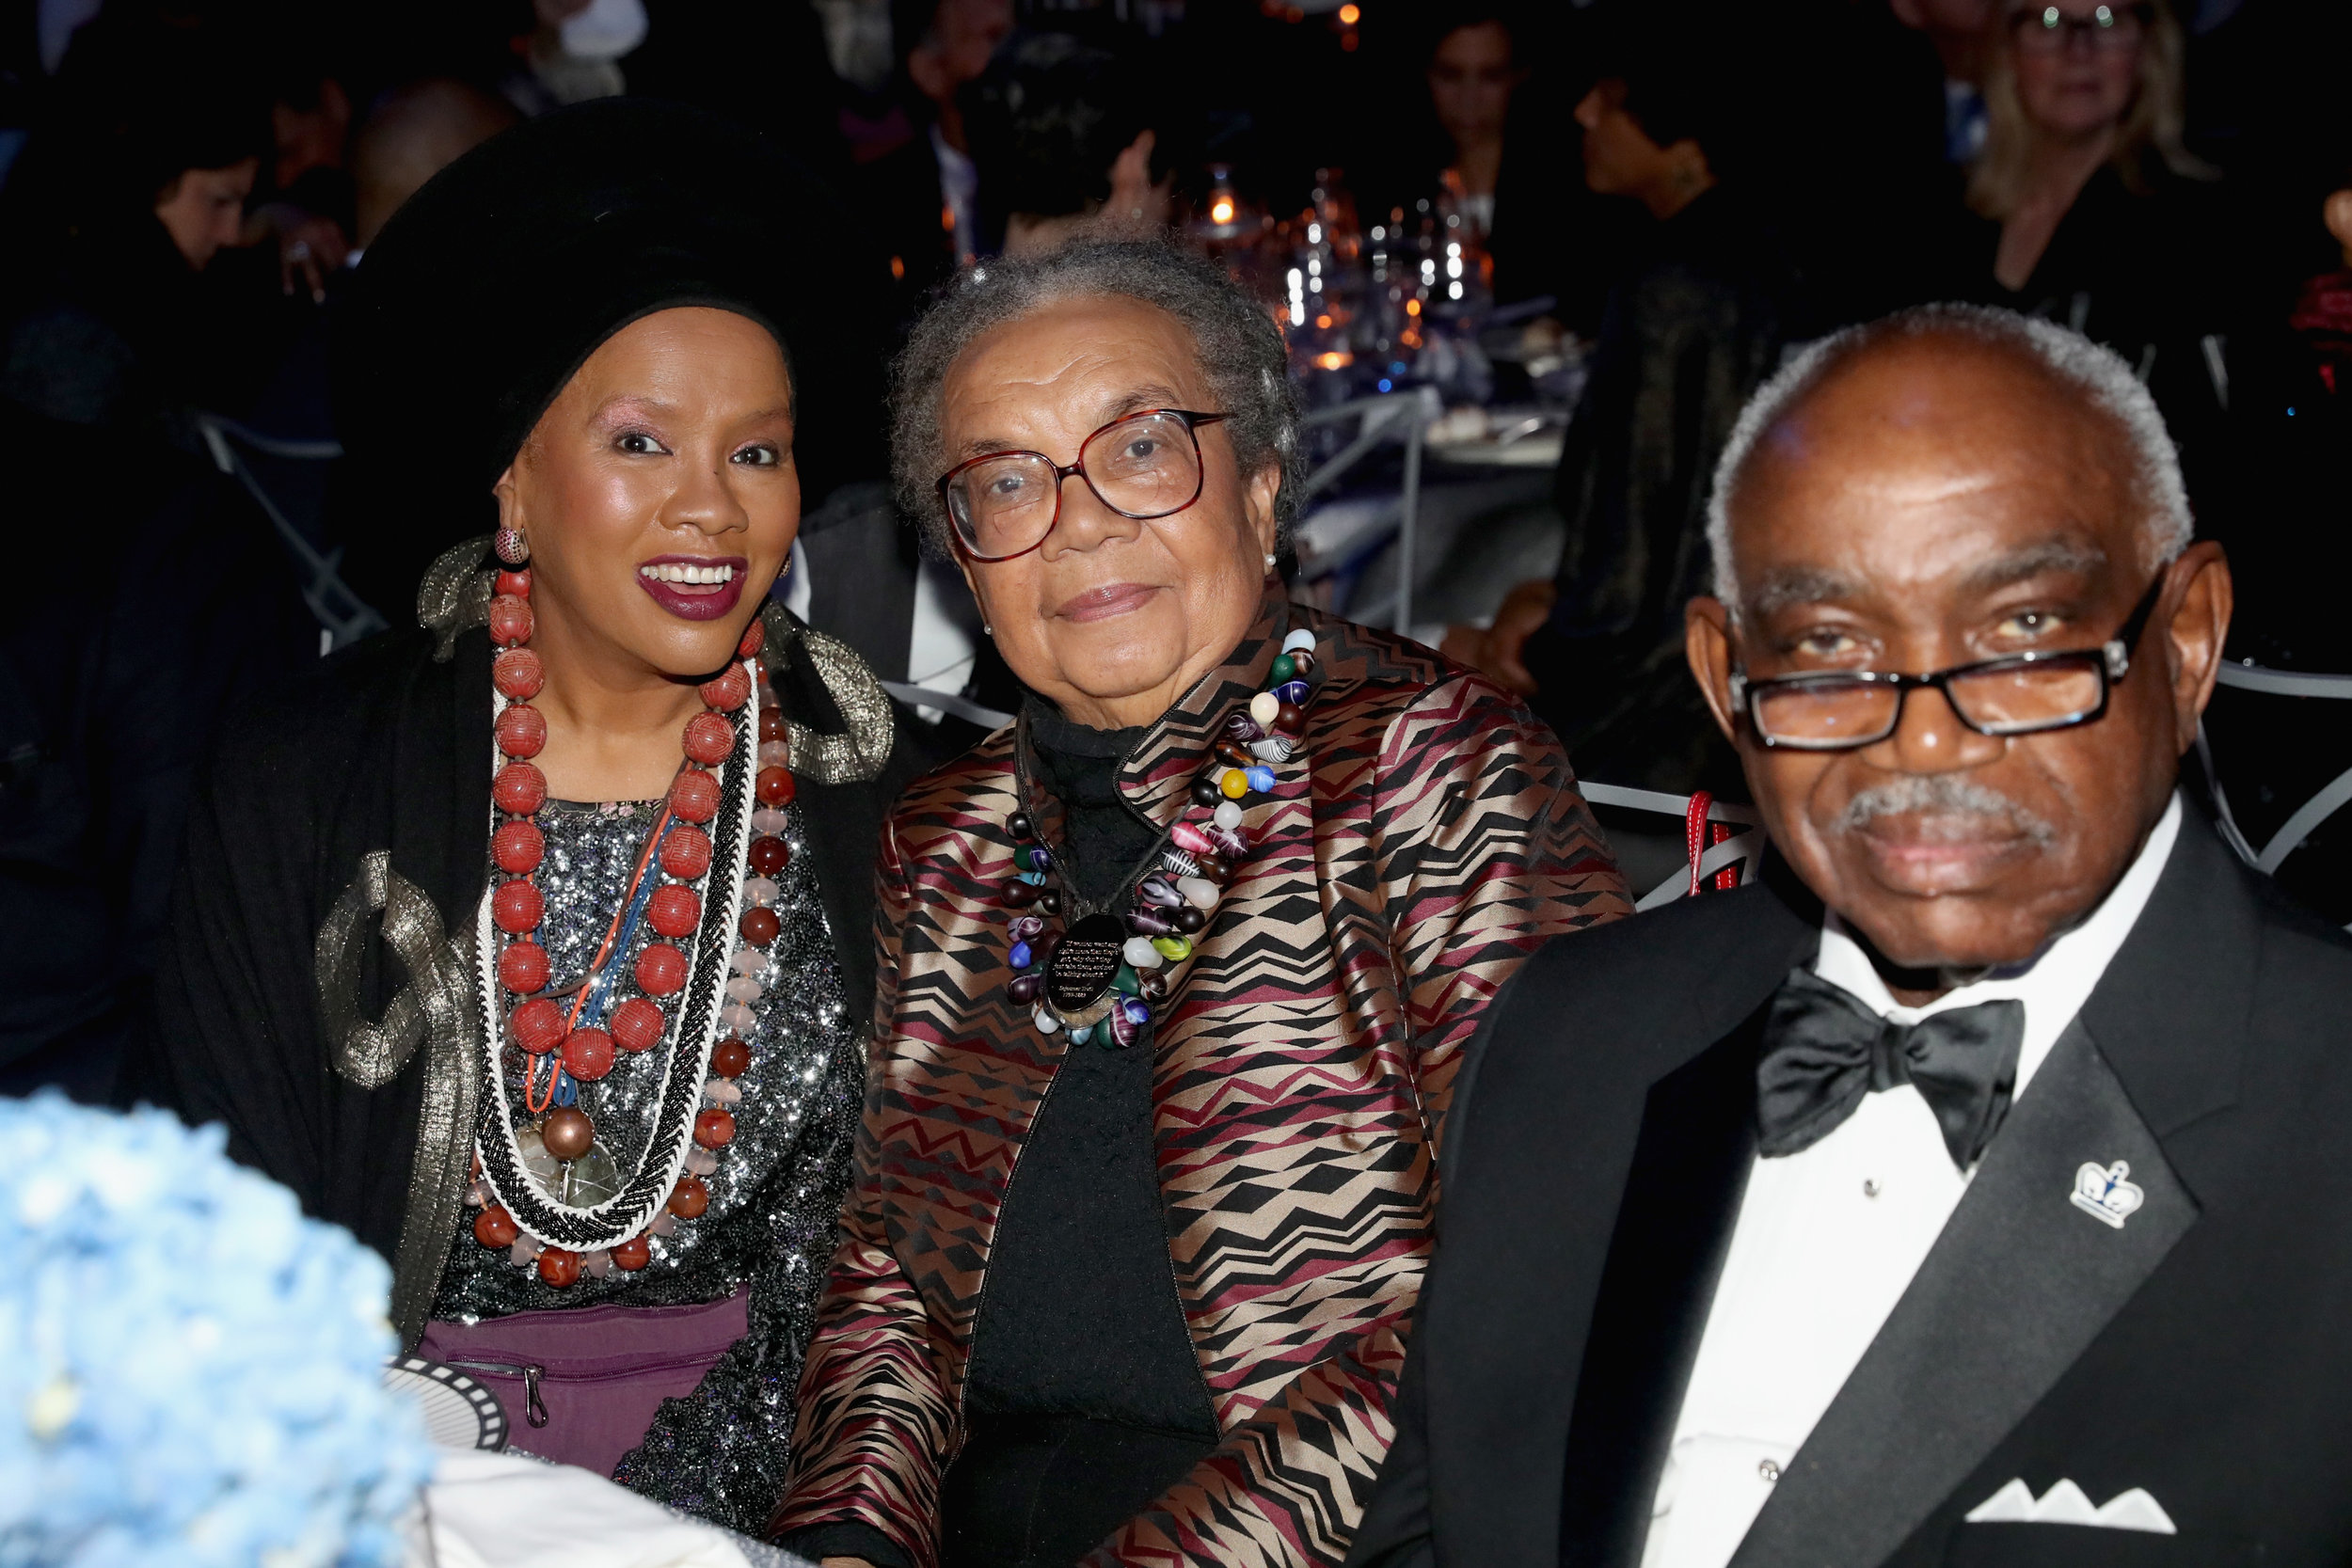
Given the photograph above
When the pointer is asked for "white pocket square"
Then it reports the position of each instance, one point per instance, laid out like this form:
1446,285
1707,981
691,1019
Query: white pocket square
2064,1504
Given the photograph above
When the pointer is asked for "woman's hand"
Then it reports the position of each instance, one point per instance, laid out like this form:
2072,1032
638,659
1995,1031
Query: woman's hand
308,247
844,1562
1495,651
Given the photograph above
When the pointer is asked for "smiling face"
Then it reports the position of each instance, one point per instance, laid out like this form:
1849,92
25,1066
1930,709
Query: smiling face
1111,618
1935,501
658,496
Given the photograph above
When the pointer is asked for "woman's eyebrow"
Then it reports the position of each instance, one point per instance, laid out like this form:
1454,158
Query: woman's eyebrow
627,404
1151,396
1134,400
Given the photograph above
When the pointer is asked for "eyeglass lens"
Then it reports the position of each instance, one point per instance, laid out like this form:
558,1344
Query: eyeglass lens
2045,29
2043,696
1145,467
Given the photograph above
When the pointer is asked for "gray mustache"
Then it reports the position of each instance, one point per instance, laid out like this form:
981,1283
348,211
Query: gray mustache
1943,793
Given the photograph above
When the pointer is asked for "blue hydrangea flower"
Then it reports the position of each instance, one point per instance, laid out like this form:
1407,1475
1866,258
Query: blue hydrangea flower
190,1370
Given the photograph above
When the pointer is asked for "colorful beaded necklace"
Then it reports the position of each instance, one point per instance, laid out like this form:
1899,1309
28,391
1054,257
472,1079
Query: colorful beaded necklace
1104,978
548,1192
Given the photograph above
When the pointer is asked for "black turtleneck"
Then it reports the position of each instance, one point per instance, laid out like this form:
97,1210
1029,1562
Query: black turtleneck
1084,1398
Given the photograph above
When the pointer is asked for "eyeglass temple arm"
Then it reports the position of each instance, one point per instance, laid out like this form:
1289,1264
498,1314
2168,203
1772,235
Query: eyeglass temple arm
2117,649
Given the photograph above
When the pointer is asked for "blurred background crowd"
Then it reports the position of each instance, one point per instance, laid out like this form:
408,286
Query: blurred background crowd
1530,259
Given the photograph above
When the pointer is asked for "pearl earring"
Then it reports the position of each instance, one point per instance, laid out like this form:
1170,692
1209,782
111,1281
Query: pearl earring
1269,563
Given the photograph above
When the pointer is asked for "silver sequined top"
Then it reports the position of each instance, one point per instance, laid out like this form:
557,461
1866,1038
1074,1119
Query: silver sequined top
774,1196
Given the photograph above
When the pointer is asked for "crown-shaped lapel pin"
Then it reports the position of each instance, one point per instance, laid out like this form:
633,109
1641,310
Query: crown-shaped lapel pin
2103,1193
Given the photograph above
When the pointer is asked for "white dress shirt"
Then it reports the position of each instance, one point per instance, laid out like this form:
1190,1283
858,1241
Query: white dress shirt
1828,1238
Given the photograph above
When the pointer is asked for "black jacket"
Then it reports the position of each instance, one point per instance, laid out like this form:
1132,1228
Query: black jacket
385,748
1595,1168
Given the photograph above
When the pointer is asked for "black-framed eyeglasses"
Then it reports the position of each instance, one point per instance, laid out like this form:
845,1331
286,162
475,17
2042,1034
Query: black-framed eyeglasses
1837,710
2048,30
1145,464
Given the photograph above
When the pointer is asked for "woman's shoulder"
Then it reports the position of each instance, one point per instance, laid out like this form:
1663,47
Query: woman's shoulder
309,729
1369,678
946,794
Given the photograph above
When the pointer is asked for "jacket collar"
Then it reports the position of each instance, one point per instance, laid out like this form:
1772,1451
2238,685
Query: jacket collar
1156,774
2173,1011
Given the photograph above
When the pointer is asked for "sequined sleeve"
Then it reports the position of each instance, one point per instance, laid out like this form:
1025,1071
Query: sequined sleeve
720,1453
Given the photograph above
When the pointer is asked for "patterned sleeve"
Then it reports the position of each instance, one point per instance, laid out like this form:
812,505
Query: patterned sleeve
1485,850
873,1425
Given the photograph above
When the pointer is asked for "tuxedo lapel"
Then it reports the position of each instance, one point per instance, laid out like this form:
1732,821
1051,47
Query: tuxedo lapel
1681,1200
1550,1115
2019,1284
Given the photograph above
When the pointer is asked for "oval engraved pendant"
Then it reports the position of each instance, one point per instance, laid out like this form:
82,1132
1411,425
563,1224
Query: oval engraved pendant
1079,980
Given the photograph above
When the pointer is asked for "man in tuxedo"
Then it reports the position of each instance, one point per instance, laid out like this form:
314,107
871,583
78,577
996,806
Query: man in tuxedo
1977,1188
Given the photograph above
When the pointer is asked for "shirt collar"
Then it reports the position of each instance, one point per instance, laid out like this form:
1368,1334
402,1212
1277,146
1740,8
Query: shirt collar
2053,985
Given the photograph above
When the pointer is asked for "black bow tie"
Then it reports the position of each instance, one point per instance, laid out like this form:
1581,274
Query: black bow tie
1823,1051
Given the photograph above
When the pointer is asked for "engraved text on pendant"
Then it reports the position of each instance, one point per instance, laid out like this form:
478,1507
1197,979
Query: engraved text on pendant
1079,980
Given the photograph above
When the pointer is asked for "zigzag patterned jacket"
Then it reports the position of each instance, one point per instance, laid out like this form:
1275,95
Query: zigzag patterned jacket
1426,839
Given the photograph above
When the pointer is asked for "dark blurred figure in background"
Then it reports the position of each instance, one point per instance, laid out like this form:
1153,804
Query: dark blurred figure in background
154,596
1494,147
118,203
1686,339
759,62
1064,136
2106,223
182,604
413,133
1472,75
920,202
1956,28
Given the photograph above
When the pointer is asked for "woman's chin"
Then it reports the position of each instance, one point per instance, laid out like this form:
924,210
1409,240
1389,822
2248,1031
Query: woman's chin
685,650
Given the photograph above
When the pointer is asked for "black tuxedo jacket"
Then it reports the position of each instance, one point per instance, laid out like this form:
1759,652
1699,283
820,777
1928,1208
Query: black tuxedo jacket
2202,1352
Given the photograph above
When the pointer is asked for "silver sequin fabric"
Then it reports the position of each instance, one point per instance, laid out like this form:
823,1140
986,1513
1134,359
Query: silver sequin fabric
719,1453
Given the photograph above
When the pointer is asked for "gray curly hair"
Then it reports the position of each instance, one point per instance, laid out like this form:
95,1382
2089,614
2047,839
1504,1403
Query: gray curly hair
1240,351
2097,375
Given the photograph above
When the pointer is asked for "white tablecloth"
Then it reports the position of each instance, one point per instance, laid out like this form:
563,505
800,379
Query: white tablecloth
507,1510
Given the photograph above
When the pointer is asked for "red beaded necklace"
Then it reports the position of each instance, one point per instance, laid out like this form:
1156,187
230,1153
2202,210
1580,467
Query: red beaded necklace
569,1047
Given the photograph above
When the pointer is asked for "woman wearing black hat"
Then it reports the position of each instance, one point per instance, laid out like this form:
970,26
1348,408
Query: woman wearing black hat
533,944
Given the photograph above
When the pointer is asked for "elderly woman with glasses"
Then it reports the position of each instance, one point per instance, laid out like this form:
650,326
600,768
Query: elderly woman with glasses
1178,971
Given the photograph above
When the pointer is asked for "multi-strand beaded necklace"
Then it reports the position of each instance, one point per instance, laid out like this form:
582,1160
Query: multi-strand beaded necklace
547,1189
1106,975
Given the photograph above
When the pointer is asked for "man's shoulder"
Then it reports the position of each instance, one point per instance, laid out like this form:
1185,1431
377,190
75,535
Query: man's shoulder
1671,979
2303,984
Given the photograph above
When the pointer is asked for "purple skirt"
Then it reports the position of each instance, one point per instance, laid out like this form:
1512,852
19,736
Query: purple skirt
582,1387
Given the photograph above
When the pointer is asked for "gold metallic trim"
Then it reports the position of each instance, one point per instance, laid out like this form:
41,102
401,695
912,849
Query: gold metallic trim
433,1009
864,752
455,594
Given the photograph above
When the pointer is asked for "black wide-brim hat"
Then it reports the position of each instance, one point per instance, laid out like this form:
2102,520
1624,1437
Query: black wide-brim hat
492,286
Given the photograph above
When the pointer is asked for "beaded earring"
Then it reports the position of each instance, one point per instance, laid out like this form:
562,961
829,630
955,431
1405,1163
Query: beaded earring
512,547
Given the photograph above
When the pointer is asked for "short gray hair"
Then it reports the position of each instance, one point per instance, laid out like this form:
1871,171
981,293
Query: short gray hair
2073,360
1240,352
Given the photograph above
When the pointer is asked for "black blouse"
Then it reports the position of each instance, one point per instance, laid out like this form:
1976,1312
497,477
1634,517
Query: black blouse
1086,1398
